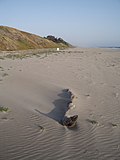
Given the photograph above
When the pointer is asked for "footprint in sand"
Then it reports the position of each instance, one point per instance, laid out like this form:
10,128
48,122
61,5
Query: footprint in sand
113,124
92,121
40,128
37,128
87,95
4,74
116,95
6,119
111,65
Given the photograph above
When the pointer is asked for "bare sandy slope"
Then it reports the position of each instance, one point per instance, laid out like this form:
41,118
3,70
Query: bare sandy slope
34,91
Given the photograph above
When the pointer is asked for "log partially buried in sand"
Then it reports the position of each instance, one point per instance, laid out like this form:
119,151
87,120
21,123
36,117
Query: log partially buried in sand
71,105
70,121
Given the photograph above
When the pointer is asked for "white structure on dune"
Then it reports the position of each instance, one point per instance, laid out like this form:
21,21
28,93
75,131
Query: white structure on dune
58,49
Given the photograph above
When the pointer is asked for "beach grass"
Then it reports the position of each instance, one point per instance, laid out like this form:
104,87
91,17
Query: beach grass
4,109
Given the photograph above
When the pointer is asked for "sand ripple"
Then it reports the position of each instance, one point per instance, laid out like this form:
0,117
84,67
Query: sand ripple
37,102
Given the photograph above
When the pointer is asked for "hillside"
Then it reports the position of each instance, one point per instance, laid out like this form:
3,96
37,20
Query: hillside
13,39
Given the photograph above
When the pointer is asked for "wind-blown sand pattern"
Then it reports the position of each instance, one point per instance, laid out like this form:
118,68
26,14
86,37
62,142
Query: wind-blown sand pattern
33,91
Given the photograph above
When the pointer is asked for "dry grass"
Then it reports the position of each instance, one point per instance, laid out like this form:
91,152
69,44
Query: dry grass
12,39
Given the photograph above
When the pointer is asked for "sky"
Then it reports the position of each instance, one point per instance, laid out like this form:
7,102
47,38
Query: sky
84,23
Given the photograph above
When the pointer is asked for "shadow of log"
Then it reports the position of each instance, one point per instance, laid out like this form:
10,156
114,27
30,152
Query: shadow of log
61,107
65,94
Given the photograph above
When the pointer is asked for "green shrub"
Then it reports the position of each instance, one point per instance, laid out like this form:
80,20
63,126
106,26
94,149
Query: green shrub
3,109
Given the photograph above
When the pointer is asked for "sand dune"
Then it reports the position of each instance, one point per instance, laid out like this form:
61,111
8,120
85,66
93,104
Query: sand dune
34,91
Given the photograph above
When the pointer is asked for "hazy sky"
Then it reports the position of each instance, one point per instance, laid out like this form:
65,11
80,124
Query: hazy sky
80,22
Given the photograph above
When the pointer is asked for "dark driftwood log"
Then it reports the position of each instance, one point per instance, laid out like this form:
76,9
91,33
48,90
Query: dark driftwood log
70,121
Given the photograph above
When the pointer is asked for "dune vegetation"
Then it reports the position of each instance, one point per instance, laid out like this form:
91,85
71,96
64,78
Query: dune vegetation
12,39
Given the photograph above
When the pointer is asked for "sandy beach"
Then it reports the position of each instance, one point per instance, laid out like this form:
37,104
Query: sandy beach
34,91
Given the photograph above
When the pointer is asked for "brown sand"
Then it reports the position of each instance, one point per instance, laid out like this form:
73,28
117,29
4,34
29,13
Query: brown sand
34,91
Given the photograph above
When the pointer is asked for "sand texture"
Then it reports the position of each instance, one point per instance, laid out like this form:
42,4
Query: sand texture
34,91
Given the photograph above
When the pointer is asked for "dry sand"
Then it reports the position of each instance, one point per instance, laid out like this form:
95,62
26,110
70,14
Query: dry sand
34,91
